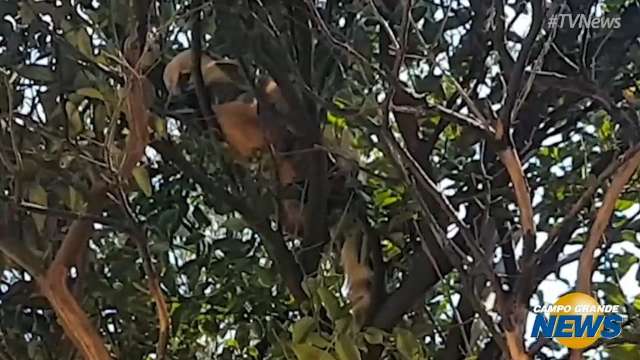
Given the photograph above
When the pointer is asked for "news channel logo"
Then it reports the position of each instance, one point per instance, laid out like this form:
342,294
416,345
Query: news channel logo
577,321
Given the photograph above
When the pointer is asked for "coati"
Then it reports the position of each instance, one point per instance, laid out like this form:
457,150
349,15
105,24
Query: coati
248,130
236,110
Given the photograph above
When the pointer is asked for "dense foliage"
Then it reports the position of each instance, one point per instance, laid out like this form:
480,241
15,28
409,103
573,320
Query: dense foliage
487,155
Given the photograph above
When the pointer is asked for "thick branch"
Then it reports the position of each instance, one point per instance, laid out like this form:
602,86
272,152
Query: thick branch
74,320
53,285
514,307
421,276
499,37
514,340
316,233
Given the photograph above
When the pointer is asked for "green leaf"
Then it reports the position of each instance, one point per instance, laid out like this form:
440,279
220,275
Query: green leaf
159,126
75,201
90,93
141,177
302,328
374,336
386,197
407,343
335,120
168,220
37,73
622,204
265,277
308,352
318,340
448,86
235,224
330,302
346,348
74,120
82,41
38,196
625,352
606,129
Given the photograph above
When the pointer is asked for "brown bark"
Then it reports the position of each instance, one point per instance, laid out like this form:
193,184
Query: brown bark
74,320
511,161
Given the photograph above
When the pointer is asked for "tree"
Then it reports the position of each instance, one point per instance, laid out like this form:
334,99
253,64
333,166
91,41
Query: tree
472,157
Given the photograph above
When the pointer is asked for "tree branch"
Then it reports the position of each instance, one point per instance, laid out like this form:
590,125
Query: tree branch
509,158
74,320
202,93
517,73
620,179
583,200
54,287
600,224
273,240
153,282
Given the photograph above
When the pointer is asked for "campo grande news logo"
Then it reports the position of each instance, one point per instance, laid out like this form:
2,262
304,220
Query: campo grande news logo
576,321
